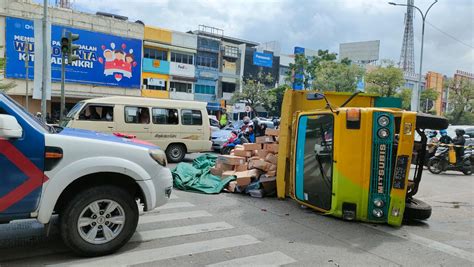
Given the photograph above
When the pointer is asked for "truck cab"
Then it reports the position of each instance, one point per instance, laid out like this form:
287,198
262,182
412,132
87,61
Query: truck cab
91,180
351,159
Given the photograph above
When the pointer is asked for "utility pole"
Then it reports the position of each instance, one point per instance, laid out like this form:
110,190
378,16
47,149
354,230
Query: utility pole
45,60
63,74
68,50
27,60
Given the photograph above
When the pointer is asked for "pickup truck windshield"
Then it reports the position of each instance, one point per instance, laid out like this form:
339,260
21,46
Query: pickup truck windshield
72,113
35,121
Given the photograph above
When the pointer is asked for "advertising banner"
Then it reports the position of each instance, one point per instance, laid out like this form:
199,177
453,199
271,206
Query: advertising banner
104,59
263,59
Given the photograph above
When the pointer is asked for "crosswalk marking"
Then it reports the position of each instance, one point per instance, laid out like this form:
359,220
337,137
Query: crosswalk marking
172,216
174,205
152,255
276,258
179,231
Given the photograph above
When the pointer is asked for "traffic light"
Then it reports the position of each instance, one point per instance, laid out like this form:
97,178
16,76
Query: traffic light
64,45
71,37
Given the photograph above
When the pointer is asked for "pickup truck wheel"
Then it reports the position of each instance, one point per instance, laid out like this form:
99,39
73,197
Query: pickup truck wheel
99,221
416,209
175,153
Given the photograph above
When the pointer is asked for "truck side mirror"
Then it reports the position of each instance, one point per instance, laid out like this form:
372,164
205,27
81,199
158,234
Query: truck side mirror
9,127
315,96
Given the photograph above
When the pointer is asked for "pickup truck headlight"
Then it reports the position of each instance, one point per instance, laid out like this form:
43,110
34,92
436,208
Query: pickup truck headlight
159,156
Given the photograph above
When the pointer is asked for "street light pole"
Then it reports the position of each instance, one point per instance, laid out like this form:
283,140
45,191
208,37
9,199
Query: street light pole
45,61
415,97
27,60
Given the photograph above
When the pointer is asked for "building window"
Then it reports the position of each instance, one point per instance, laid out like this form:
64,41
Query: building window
228,87
191,117
181,87
137,115
207,60
205,89
97,113
165,116
155,54
154,87
182,58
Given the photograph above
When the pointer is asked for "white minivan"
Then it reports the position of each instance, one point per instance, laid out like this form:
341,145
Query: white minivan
178,127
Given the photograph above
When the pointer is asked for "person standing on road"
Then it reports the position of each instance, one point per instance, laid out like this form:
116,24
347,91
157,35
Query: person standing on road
459,141
223,119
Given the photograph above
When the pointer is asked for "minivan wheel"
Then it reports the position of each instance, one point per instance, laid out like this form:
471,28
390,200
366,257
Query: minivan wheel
98,221
175,153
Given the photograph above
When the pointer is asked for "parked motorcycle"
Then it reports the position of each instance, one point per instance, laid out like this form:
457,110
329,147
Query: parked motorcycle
440,162
235,139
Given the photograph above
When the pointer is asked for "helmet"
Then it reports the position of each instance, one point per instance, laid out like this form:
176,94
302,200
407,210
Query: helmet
433,134
246,120
460,132
443,132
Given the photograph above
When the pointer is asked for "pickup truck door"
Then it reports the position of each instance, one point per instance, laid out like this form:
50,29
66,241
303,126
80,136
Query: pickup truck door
314,160
21,164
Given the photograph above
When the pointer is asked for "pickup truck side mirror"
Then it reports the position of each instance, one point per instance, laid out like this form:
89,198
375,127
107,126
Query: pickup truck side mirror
9,127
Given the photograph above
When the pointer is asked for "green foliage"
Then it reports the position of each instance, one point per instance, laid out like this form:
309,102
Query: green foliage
4,86
384,80
429,94
309,65
405,95
274,109
461,101
339,77
255,93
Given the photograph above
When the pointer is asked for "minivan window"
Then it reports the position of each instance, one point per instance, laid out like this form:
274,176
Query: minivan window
164,116
138,115
97,113
191,117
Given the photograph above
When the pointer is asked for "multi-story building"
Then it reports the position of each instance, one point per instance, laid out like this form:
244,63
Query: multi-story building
434,80
458,77
168,64
110,54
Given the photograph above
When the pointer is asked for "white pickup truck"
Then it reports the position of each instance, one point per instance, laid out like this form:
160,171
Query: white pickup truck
91,180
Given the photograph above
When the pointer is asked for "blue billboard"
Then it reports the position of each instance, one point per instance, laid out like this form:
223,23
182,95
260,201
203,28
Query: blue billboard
104,59
263,59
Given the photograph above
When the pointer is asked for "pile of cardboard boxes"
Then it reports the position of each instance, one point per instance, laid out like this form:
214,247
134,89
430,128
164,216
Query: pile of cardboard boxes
251,164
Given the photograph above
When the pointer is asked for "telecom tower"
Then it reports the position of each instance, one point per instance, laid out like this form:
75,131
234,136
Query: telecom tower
407,56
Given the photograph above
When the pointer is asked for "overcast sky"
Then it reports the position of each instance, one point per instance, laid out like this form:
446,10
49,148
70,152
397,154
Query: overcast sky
316,24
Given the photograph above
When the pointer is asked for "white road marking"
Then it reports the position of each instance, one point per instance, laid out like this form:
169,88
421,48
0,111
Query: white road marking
144,236
276,258
157,254
172,216
174,205
430,243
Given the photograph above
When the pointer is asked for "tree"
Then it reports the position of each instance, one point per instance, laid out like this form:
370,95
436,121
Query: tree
309,65
384,80
461,101
274,109
339,77
426,96
255,93
405,95
4,86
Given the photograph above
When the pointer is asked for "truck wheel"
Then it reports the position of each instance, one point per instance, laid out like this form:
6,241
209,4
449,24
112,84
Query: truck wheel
416,209
98,221
434,166
175,153
428,121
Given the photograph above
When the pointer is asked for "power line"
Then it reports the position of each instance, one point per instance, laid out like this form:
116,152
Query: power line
449,35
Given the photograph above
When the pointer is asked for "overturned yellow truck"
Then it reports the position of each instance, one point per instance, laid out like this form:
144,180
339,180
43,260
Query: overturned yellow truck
350,157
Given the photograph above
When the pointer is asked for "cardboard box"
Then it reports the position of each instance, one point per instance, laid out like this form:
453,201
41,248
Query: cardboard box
216,172
224,167
231,186
264,140
241,168
271,173
239,147
248,174
231,160
272,148
262,154
272,167
244,181
272,158
228,173
251,146
255,153
272,132
254,158
243,153
259,164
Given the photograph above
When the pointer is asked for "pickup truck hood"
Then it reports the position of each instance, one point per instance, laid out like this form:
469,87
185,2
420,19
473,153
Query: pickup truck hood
105,137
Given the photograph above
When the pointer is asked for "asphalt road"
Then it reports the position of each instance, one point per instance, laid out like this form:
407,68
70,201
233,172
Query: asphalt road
232,229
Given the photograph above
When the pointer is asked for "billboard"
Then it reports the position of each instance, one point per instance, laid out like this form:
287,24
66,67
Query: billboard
263,59
104,59
360,51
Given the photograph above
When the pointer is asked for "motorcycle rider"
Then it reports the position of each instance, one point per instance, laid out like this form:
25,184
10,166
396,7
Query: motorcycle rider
459,141
445,139
247,123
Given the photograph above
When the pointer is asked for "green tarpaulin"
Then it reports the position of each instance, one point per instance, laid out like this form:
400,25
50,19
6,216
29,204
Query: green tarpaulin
197,176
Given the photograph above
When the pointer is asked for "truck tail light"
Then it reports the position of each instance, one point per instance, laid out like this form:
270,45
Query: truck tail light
353,118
